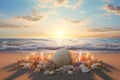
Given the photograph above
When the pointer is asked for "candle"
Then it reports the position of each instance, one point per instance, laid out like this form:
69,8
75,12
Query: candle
41,55
49,56
80,55
87,55
27,57
92,58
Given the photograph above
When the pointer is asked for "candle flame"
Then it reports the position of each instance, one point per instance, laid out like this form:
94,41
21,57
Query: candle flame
92,57
87,55
27,57
80,55
49,56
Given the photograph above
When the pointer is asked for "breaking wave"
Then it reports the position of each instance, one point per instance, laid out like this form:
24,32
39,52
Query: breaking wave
53,44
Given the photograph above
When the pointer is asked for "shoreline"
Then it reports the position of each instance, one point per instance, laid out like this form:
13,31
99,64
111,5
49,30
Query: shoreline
28,51
111,60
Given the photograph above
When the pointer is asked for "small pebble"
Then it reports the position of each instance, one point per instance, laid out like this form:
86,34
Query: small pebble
51,72
57,70
69,72
85,70
46,72
61,68
70,66
95,66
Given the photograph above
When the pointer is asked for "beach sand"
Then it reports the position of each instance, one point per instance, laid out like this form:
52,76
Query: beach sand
110,58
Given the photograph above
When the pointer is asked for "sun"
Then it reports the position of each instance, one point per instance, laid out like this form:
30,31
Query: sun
60,35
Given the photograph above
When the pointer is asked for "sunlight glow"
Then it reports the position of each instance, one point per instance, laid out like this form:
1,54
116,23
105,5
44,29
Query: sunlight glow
60,35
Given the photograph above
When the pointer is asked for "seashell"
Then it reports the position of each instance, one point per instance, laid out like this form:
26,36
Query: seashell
57,70
65,70
39,66
95,66
81,66
85,69
61,68
32,66
69,72
46,72
65,66
26,66
37,70
76,69
21,64
70,66
51,72
62,57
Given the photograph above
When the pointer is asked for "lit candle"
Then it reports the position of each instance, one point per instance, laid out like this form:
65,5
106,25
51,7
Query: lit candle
87,55
80,55
27,57
92,58
49,56
41,55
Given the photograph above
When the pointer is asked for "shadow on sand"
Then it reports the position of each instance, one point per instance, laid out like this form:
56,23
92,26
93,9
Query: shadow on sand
77,76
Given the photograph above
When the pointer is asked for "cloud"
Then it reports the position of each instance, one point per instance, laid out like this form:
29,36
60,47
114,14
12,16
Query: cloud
35,16
113,9
73,21
83,22
59,3
29,21
105,15
10,25
77,4
82,12
106,29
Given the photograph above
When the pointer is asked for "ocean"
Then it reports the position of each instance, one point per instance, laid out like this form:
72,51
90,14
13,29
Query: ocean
53,44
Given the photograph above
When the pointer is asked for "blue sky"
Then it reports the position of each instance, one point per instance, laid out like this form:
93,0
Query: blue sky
71,18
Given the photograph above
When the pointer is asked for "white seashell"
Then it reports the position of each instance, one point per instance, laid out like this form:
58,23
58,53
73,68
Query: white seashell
61,68
70,66
37,70
39,66
81,66
51,72
26,66
46,72
76,69
69,72
57,70
95,66
85,69
62,57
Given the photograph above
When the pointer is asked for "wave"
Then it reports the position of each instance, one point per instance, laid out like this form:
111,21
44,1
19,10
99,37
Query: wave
53,44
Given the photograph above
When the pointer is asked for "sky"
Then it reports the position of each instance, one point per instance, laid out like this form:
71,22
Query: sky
59,18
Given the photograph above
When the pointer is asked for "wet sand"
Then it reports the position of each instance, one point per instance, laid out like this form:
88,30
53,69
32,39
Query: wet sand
110,58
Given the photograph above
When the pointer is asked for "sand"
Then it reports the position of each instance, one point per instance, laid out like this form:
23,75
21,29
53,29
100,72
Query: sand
110,58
